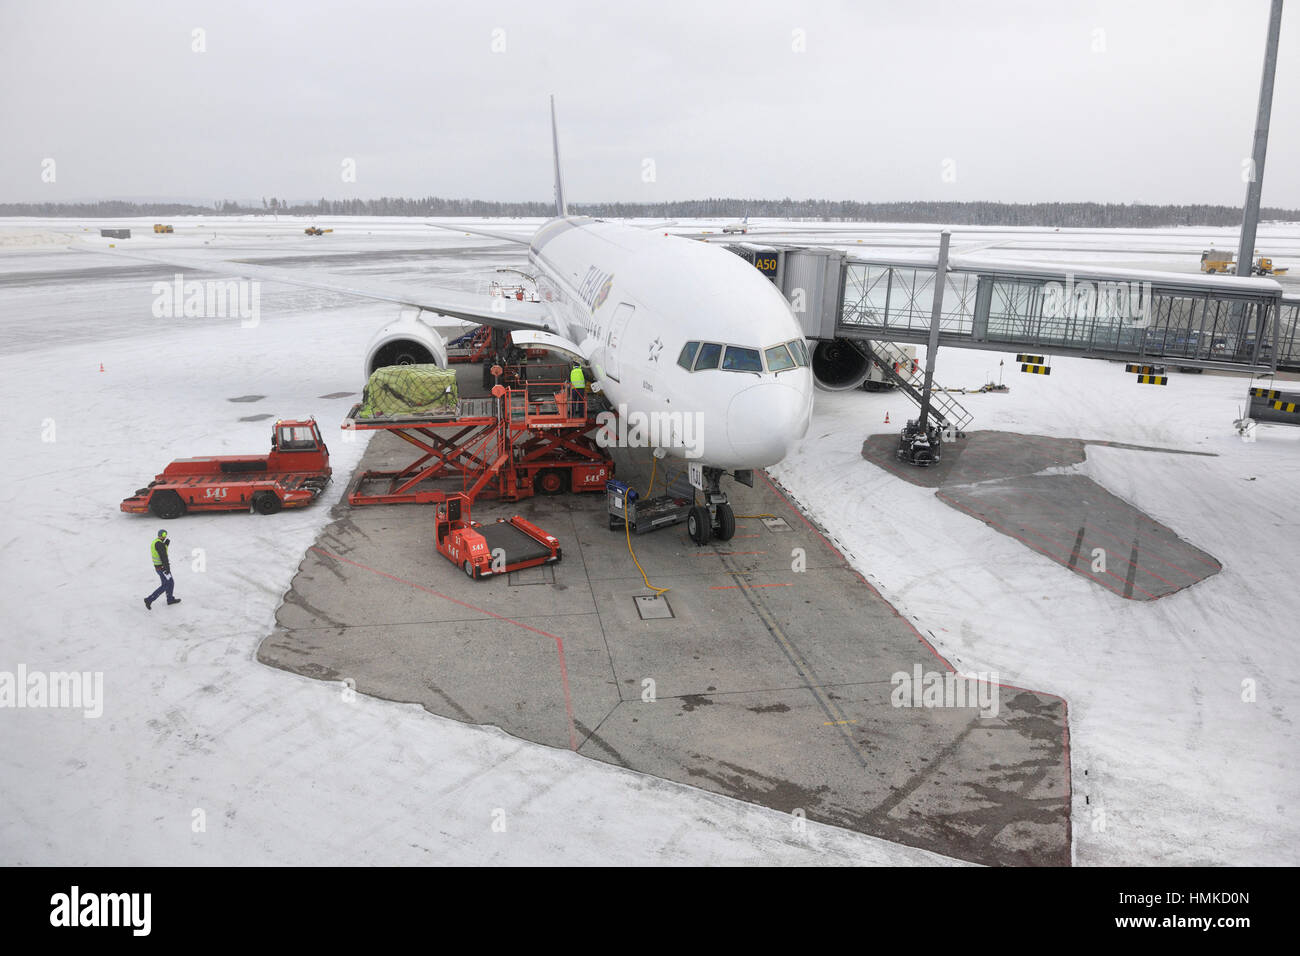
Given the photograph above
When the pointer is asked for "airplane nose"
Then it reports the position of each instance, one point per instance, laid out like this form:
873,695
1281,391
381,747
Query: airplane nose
765,420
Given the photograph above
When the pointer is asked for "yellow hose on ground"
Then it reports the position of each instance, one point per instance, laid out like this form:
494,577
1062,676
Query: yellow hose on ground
627,530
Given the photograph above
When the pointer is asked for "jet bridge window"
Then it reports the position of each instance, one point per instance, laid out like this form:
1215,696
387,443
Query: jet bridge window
778,359
800,352
740,359
688,355
708,357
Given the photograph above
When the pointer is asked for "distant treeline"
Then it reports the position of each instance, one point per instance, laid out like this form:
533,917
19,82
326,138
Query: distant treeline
1072,214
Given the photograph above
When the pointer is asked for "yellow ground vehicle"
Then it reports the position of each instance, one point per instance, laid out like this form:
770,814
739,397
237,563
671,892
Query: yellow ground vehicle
1212,261
159,227
316,231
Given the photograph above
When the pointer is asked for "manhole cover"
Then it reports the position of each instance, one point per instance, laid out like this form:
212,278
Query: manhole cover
653,607
542,574
776,524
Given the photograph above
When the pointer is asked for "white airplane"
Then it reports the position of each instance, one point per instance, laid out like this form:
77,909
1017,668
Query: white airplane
741,227
675,331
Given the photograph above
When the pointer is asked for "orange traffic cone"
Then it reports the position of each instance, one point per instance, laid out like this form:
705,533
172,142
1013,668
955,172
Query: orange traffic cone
101,366
886,418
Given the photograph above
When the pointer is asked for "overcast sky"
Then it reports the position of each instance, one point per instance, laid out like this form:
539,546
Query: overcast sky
1149,101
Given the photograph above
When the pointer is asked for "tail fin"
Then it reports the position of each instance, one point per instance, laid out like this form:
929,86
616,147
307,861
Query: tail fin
561,208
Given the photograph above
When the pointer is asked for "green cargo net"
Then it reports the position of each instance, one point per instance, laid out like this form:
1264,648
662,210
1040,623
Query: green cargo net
399,390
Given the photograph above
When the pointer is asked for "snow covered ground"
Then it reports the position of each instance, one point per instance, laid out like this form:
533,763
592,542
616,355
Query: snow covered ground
1170,764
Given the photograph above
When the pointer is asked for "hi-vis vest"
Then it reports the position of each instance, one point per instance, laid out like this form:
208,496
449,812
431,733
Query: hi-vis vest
577,379
155,553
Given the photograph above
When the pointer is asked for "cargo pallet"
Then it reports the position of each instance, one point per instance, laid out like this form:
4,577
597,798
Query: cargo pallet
532,438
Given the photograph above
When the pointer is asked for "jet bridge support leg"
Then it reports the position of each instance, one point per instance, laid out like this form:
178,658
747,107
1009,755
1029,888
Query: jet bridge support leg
922,443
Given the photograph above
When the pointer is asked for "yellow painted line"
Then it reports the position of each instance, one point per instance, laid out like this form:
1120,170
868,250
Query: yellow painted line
837,723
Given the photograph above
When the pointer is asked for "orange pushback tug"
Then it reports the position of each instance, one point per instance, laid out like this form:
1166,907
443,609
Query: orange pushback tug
293,475
481,550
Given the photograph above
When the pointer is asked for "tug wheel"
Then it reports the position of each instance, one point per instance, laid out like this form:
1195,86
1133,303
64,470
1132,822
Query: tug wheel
266,502
469,570
167,504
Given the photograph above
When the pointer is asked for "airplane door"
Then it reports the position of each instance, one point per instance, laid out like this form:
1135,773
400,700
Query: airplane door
617,332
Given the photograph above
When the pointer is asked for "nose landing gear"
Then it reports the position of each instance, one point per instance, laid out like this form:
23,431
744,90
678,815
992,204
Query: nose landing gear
715,518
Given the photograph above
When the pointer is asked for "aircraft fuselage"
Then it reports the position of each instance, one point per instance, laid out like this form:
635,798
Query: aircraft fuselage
633,299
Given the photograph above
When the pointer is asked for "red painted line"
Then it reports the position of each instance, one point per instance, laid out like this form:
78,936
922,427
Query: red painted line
559,642
1065,704
729,587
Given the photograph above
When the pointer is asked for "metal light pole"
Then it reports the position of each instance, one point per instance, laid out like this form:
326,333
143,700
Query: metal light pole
1246,250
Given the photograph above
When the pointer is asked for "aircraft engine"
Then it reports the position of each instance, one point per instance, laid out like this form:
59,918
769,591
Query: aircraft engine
839,365
411,340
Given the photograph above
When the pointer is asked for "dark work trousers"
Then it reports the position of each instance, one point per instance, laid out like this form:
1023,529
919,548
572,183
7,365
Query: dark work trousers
165,584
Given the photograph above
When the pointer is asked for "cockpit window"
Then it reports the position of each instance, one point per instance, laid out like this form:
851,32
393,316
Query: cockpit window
739,359
800,352
688,355
708,357
778,359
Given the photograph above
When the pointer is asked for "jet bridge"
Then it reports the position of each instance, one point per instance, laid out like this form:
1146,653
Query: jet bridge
1216,322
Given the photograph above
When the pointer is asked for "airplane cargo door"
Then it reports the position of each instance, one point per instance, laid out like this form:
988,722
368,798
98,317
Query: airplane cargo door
617,332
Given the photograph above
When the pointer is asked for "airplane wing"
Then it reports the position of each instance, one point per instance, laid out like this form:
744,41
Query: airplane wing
486,233
498,312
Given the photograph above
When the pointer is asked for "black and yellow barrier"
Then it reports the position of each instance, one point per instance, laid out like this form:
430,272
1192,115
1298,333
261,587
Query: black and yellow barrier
1037,369
1145,369
1031,359
1275,405
1153,380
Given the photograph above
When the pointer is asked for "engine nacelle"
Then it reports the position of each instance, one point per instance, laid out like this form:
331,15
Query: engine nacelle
411,340
839,365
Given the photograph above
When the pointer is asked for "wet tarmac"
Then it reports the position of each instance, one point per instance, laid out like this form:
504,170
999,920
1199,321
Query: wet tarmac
998,478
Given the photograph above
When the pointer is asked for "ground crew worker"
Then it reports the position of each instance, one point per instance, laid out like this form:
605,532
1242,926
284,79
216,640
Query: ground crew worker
158,552
578,385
